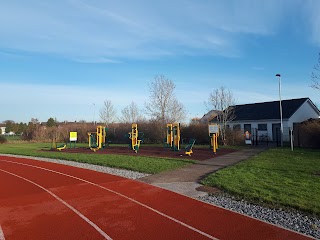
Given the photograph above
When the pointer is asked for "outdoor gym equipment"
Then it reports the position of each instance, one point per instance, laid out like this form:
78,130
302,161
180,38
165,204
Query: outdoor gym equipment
189,147
55,147
135,138
173,136
97,140
214,134
169,138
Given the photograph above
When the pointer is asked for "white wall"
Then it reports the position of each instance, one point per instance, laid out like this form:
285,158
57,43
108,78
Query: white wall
2,130
254,124
305,112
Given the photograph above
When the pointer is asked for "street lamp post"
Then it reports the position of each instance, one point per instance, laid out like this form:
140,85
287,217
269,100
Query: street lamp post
94,113
281,125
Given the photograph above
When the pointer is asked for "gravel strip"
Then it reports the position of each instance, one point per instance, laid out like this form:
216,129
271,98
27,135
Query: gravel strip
293,220
114,171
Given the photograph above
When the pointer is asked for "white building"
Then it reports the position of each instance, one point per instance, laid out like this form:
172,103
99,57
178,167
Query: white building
2,130
264,118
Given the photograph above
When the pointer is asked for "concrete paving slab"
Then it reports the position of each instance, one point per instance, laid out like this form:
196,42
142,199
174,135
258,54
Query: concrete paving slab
183,188
185,180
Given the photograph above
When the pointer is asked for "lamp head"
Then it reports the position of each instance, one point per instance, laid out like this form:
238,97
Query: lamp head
278,75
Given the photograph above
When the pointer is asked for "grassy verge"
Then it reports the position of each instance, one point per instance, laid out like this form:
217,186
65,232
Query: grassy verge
136,163
13,138
277,176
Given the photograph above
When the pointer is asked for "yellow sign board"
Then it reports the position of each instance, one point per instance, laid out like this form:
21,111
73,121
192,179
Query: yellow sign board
73,136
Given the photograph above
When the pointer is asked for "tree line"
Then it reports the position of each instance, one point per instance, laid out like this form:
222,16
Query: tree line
16,128
162,107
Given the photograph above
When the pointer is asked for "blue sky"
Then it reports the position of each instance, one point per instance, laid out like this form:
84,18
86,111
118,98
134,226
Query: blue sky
63,58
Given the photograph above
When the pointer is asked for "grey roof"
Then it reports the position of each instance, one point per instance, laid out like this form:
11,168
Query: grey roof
208,116
268,110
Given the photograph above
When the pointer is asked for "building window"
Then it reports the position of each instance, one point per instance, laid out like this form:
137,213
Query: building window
262,127
236,127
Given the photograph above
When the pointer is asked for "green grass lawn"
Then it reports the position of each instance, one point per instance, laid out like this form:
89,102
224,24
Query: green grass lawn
277,176
13,138
136,163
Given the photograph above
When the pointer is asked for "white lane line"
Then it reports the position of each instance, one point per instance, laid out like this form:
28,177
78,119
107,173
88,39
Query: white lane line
1,234
63,202
124,196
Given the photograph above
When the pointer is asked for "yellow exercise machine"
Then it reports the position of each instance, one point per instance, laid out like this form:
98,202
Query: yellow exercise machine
214,134
190,146
97,140
173,136
134,137
176,136
169,138
55,147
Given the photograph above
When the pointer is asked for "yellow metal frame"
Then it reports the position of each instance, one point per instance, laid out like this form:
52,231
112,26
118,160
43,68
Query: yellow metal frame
169,135
101,135
214,137
214,142
61,148
54,145
133,135
189,152
173,136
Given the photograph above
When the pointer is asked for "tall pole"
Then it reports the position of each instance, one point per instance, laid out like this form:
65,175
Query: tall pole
94,113
281,124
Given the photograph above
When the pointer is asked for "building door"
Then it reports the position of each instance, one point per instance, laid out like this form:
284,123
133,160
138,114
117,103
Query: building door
276,133
247,127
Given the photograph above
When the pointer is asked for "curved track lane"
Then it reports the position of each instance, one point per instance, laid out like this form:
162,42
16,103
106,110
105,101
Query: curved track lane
41,200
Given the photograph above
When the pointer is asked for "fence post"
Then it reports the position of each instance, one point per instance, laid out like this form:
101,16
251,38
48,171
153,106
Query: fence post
291,139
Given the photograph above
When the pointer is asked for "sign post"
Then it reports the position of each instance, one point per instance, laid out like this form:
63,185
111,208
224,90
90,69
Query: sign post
73,138
291,139
214,134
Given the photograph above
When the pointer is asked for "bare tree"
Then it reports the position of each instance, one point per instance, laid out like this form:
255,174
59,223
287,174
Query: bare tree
222,101
34,121
107,112
163,105
131,113
315,76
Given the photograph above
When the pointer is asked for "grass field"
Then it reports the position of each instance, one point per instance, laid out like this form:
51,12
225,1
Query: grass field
277,176
136,163
13,137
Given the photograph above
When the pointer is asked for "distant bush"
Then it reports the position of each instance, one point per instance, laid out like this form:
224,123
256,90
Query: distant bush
307,134
199,131
154,132
2,140
234,137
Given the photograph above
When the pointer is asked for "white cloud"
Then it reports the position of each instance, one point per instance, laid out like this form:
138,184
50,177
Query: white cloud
120,29
311,9
62,101
66,94
95,60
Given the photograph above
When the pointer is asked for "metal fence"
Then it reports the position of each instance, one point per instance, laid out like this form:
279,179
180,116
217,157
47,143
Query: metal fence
262,137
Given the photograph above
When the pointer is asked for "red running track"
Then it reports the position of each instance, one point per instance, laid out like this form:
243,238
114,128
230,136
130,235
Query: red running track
42,200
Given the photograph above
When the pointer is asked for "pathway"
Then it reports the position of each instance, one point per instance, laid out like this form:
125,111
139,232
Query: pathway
186,180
